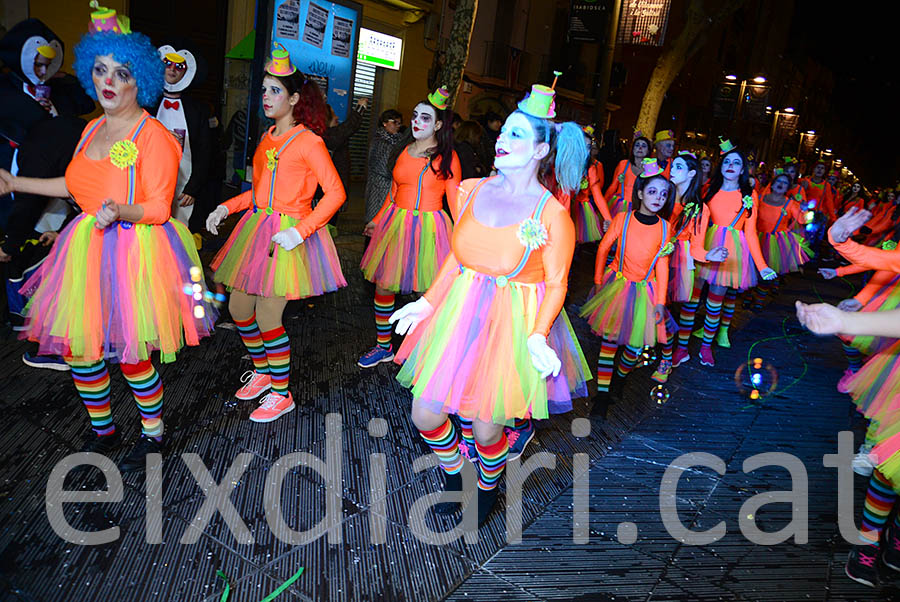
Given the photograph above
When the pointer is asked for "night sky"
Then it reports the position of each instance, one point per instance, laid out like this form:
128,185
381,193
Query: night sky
859,43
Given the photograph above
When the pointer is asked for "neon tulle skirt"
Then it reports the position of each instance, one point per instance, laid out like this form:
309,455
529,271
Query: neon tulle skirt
118,293
784,251
886,299
738,271
876,391
588,222
681,273
250,262
623,311
407,249
470,357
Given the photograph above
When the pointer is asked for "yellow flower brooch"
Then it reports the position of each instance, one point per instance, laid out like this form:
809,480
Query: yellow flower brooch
532,234
747,202
889,245
584,183
667,249
271,159
123,154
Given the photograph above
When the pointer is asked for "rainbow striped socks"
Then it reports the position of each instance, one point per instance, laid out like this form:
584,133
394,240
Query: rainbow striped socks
384,307
250,335
713,316
854,357
92,383
491,462
278,355
147,389
444,442
628,360
880,498
605,364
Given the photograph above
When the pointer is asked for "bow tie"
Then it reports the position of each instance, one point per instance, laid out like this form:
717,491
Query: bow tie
170,105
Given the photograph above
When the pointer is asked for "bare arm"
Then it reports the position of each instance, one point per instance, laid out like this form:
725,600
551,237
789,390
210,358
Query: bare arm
52,187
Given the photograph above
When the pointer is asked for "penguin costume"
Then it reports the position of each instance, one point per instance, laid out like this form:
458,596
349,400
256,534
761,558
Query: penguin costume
189,120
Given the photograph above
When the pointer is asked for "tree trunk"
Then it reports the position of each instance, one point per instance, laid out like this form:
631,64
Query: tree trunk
671,61
457,54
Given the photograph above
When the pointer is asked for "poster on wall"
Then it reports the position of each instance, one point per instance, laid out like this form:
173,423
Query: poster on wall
587,20
316,22
643,22
287,20
324,46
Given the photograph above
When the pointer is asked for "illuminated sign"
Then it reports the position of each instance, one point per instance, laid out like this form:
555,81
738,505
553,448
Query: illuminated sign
643,22
379,49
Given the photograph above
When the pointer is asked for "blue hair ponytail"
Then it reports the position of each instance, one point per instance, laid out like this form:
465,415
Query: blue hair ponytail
571,155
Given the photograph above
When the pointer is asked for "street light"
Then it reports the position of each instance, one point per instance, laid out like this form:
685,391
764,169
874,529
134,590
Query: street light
731,77
789,109
759,79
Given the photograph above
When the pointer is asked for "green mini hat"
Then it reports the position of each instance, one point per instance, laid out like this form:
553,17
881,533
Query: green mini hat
540,101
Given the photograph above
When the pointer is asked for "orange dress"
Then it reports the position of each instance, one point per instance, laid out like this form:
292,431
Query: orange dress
823,195
783,249
118,293
733,225
588,227
470,357
412,231
623,309
690,241
286,171
619,192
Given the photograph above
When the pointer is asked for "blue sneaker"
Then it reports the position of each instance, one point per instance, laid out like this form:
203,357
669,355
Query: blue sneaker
518,440
374,356
51,362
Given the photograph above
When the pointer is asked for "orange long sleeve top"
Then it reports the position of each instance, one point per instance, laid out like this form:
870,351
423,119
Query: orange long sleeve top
692,231
878,280
415,185
871,258
594,187
497,252
641,246
822,194
92,181
790,213
882,221
725,206
302,165
615,187
847,270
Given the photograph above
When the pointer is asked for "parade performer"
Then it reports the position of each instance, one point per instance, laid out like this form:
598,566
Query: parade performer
619,193
113,285
188,120
280,249
628,307
733,214
512,249
690,220
411,232
588,226
664,143
817,189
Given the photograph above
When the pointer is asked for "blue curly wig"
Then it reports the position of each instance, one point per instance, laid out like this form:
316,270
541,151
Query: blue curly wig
133,50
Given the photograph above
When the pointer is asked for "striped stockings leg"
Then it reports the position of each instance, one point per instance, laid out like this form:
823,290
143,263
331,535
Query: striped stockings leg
384,307
728,307
854,357
278,356
252,339
92,383
605,364
686,315
491,462
147,389
880,498
713,315
444,441
628,360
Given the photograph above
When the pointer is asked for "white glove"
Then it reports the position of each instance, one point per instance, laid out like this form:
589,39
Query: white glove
215,218
410,315
543,358
288,238
768,274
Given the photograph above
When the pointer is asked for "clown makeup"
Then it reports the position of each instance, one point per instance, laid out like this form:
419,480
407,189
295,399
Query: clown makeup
516,145
640,149
275,100
115,86
41,64
705,166
424,122
680,173
791,170
780,184
856,187
819,171
665,149
654,195
732,167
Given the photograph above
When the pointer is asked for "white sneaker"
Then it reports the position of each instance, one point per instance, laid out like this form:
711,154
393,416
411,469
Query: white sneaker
862,464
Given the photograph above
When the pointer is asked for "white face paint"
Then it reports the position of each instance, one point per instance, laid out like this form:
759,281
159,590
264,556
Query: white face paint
424,122
515,145
679,172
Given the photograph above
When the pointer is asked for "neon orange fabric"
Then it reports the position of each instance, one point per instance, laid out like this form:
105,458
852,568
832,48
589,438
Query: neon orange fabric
615,187
405,184
595,189
497,252
823,194
769,214
881,220
846,270
871,258
92,181
303,165
696,233
723,208
878,280
641,246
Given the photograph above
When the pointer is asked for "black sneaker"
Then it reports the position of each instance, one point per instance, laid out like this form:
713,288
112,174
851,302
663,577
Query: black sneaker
487,499
861,565
890,554
452,483
104,445
136,460
601,402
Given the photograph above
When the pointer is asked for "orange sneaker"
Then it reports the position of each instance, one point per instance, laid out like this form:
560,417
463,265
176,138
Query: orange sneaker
255,384
274,405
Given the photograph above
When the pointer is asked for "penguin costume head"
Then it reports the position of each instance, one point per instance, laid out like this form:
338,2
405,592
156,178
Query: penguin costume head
32,51
184,65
